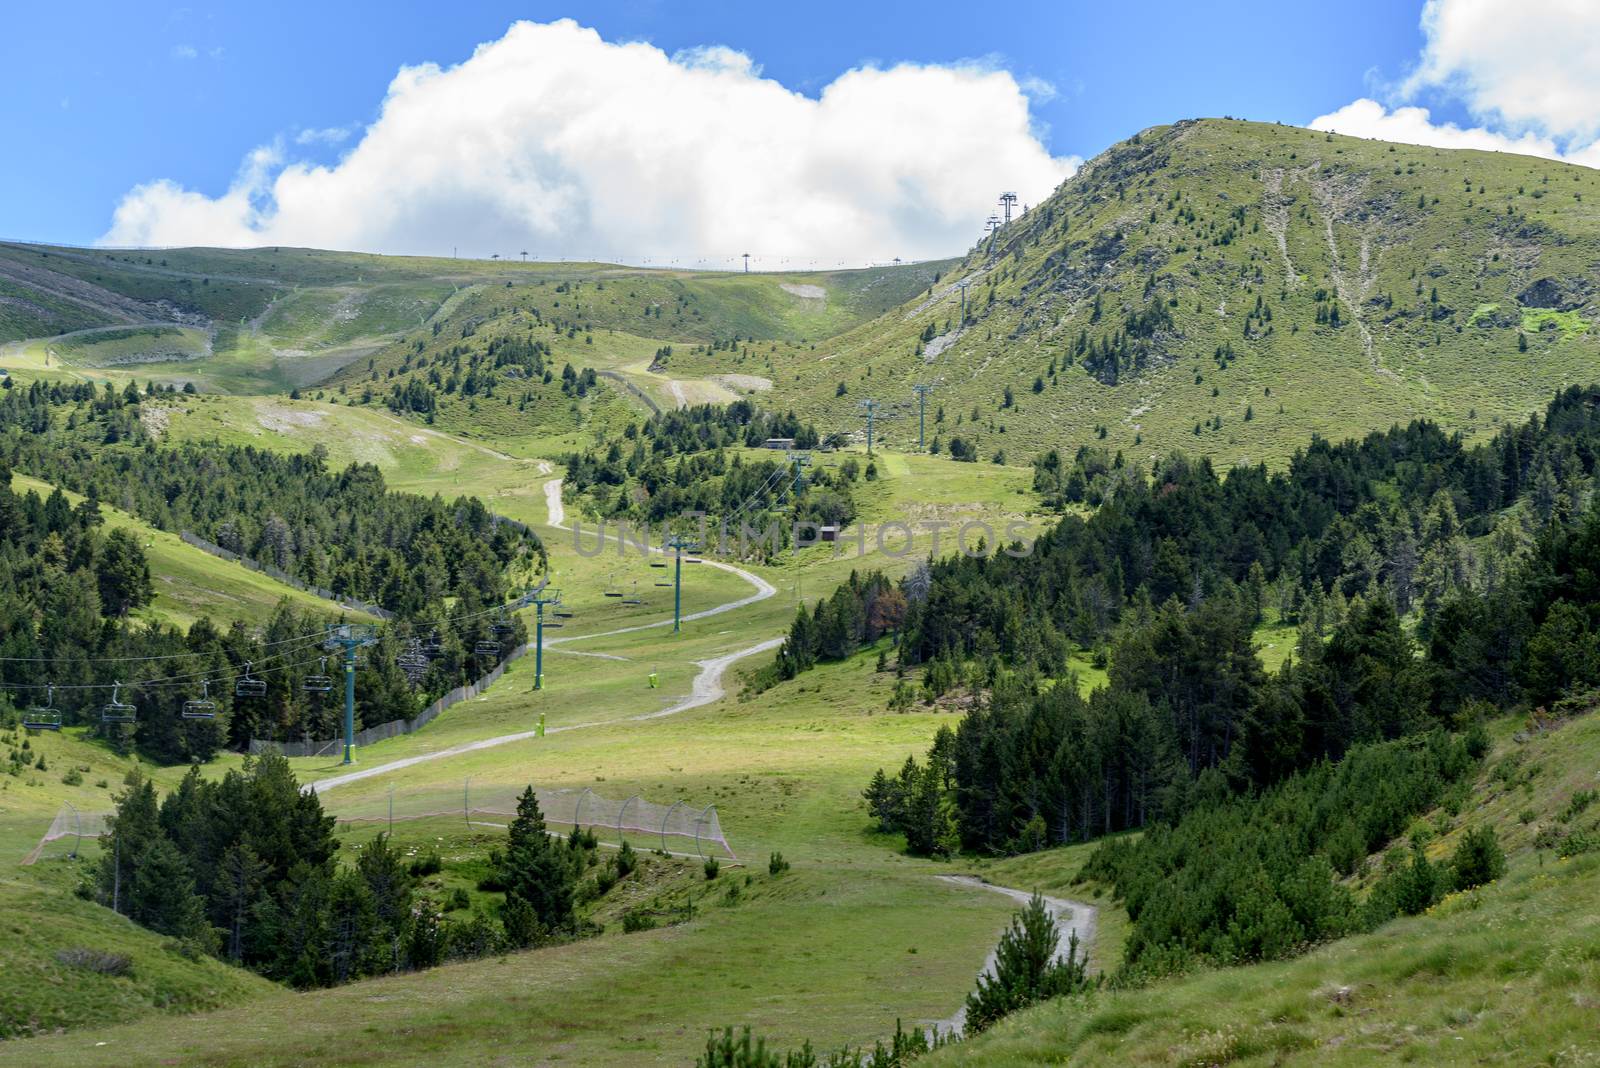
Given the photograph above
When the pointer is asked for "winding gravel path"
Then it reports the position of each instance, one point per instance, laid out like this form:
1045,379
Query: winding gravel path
706,688
1070,916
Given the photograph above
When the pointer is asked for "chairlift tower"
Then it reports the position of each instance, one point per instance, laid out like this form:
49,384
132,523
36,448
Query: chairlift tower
872,407
538,599
801,461
747,263
349,637
1007,202
679,546
963,285
922,389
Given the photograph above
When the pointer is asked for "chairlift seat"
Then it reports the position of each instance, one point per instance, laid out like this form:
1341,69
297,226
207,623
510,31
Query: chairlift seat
118,712
115,711
198,708
250,688
658,563
666,584
317,684
486,649
41,719
616,593
632,600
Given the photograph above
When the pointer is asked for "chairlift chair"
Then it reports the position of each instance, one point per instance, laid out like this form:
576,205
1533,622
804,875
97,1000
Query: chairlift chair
562,615
44,717
201,707
248,686
658,563
635,598
115,711
486,649
666,584
321,682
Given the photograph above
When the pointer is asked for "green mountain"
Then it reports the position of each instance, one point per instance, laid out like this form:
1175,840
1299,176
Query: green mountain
1231,287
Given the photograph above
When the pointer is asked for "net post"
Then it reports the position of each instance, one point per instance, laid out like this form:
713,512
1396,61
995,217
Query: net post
699,822
622,838
666,820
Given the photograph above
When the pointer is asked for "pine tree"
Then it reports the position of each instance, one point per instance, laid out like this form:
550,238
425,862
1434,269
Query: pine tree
162,896
536,870
1026,968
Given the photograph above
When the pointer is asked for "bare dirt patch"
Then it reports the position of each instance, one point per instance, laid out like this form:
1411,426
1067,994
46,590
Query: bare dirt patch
276,417
804,292
743,383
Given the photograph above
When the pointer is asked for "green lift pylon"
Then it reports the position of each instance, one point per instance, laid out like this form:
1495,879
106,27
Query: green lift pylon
872,408
539,598
679,545
801,461
349,637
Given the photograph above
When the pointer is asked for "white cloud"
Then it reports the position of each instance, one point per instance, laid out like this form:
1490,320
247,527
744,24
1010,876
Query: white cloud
554,140
331,135
1531,78
1534,65
184,51
1415,126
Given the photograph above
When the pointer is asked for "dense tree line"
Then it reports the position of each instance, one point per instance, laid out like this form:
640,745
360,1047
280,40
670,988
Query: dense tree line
69,586
1189,713
860,612
1261,877
246,868
677,462
468,371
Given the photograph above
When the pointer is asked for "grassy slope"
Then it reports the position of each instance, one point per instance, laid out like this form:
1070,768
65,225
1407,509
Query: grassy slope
190,583
1507,974
1349,215
41,993
270,320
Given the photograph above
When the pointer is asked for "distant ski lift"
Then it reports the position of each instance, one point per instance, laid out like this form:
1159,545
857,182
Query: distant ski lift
666,584
431,646
562,615
634,599
45,717
321,682
248,686
692,560
658,563
486,649
201,707
115,711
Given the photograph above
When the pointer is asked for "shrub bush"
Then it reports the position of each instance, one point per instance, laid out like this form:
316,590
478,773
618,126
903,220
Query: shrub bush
1478,859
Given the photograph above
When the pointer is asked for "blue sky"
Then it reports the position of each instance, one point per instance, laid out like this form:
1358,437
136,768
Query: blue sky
103,97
